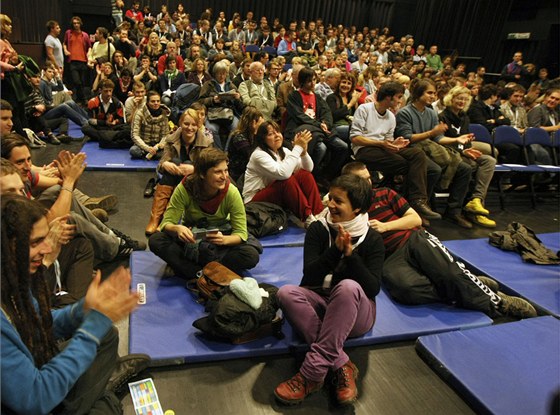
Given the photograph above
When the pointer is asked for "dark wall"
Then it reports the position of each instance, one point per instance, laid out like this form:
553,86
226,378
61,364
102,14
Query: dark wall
540,18
476,28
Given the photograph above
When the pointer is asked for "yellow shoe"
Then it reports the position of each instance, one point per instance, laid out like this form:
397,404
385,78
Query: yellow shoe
475,206
484,221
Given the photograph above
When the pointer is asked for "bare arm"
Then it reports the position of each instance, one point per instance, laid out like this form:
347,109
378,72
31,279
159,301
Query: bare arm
410,220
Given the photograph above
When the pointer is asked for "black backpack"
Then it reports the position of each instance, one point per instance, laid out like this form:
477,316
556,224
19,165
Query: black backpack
264,218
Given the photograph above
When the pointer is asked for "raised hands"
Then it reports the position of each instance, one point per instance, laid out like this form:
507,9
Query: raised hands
111,297
343,241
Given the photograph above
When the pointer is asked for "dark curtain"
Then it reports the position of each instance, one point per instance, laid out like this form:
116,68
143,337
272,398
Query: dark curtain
29,20
473,26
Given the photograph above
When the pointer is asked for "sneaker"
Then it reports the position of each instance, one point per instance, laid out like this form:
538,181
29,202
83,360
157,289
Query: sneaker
489,282
475,206
423,209
310,219
483,221
64,138
515,306
296,389
52,139
107,202
100,214
127,245
346,389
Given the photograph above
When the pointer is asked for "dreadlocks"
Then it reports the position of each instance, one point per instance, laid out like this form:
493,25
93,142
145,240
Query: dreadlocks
19,215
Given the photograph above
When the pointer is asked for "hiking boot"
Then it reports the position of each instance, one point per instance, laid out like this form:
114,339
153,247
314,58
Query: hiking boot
475,206
100,214
346,389
423,209
128,367
489,282
515,306
107,202
483,221
296,389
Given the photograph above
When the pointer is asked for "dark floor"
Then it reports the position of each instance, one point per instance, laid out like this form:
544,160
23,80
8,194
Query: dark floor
393,379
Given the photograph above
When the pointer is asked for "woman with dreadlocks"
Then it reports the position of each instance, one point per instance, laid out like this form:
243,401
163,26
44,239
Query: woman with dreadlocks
38,375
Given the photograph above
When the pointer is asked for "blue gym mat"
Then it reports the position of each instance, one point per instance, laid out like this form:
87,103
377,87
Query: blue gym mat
511,368
114,159
163,328
540,284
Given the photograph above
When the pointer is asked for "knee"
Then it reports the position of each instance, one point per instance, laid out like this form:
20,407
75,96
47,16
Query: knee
156,242
111,339
464,169
287,294
249,257
347,288
136,152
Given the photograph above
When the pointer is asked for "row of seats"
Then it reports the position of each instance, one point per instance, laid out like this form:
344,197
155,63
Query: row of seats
533,135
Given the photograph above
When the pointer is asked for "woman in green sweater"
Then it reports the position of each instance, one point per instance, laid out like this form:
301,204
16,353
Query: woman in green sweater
205,220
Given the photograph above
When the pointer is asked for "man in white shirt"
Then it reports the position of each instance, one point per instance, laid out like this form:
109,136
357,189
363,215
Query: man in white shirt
373,144
53,46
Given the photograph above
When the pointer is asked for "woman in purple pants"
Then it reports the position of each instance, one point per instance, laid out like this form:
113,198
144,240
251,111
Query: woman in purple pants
343,264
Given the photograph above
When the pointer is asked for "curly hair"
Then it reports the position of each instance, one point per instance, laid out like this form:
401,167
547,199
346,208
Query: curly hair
34,325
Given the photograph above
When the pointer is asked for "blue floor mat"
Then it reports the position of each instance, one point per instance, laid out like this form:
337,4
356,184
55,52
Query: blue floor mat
114,159
540,284
163,328
511,368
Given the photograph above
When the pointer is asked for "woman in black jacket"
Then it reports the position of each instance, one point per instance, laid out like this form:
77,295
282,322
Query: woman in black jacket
343,263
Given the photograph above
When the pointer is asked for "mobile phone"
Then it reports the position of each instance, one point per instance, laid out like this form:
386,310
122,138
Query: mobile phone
210,232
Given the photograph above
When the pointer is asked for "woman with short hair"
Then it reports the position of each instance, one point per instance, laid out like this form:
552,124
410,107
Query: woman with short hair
342,268
206,200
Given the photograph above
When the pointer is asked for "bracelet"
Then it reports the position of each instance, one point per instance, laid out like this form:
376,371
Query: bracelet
67,189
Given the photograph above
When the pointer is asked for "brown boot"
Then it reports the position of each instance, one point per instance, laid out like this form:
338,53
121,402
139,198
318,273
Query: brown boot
161,198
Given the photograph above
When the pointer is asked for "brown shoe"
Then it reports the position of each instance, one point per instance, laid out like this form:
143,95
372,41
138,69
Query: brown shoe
159,204
459,219
296,389
346,389
107,202
423,209
100,214
516,306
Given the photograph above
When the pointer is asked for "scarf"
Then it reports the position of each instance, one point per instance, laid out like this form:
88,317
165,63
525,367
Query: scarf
357,228
211,206
155,113
171,75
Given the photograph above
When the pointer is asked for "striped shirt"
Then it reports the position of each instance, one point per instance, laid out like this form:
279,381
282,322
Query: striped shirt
386,206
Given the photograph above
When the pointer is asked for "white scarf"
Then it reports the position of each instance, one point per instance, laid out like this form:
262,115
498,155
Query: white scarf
357,228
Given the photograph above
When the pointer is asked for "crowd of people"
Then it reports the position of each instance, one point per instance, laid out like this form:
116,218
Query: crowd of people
312,109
